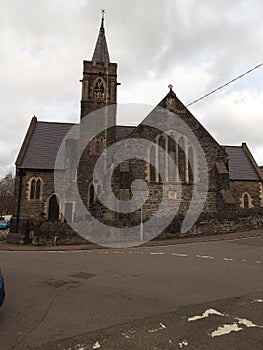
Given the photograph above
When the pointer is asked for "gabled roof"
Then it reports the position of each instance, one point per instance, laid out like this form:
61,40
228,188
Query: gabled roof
45,139
43,145
101,53
242,165
172,103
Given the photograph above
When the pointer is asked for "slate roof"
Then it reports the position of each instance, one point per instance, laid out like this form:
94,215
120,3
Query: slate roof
44,144
101,53
240,166
122,131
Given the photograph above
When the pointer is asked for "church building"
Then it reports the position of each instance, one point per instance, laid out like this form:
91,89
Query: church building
234,180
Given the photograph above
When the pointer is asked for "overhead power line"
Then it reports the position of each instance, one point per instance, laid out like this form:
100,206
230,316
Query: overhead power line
222,86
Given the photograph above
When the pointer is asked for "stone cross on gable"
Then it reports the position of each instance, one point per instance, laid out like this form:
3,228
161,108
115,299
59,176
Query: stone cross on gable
170,86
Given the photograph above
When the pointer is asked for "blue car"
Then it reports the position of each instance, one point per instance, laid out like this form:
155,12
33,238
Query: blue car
4,225
2,289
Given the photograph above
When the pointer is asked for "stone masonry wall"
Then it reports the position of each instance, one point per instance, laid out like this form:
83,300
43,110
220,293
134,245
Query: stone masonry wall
253,188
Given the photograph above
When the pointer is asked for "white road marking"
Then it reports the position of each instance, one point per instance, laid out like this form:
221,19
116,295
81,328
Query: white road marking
162,326
80,347
226,329
206,314
177,254
123,252
128,334
258,300
183,343
247,323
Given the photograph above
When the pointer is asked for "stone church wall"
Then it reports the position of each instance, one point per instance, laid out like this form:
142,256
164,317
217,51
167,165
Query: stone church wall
32,209
252,188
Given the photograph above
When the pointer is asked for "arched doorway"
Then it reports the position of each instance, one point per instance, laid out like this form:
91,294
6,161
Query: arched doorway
53,210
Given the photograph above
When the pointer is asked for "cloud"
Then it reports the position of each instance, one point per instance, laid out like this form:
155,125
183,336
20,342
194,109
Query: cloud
196,46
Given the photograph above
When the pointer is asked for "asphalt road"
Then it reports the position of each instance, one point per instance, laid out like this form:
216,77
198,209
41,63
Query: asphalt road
188,296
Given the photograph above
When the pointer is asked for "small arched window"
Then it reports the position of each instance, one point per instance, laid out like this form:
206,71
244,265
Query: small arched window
38,189
97,146
245,201
32,189
91,194
35,189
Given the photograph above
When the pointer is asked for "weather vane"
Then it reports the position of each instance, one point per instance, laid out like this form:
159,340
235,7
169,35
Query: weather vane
103,11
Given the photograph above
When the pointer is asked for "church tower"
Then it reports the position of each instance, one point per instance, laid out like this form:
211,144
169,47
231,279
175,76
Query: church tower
99,82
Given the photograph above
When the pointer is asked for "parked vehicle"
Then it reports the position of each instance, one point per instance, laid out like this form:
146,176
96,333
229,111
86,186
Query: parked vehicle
4,225
2,289
4,229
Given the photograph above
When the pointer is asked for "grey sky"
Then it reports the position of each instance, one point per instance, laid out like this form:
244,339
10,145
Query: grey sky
195,45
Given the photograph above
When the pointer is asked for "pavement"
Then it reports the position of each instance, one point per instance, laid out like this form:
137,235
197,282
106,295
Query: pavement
4,246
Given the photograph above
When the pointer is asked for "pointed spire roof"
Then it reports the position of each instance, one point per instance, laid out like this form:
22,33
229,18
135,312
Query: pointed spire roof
101,53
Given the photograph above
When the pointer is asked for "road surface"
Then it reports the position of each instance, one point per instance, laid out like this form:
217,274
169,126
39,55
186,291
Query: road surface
187,296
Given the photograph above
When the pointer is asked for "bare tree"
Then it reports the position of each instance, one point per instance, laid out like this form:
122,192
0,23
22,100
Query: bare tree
7,194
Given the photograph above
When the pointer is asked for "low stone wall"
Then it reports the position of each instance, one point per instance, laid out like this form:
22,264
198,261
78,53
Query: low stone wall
46,233
56,233
238,220
13,238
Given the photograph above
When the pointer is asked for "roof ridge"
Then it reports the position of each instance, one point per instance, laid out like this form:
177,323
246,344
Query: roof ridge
50,122
126,126
234,146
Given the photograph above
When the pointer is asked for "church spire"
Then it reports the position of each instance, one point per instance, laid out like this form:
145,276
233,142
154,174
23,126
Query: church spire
101,53
99,82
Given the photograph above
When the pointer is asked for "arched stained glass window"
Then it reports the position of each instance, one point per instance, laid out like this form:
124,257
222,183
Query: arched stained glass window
38,189
35,186
161,157
32,189
181,158
190,164
152,163
171,160
246,201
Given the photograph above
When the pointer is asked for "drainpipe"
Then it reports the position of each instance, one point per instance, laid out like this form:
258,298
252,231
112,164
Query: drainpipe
21,173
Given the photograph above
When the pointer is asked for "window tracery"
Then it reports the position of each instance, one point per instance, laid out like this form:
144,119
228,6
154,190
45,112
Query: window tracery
35,188
99,89
178,149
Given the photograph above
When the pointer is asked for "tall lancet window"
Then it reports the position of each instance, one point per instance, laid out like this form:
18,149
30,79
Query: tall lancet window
99,89
152,163
161,158
190,164
181,159
171,164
